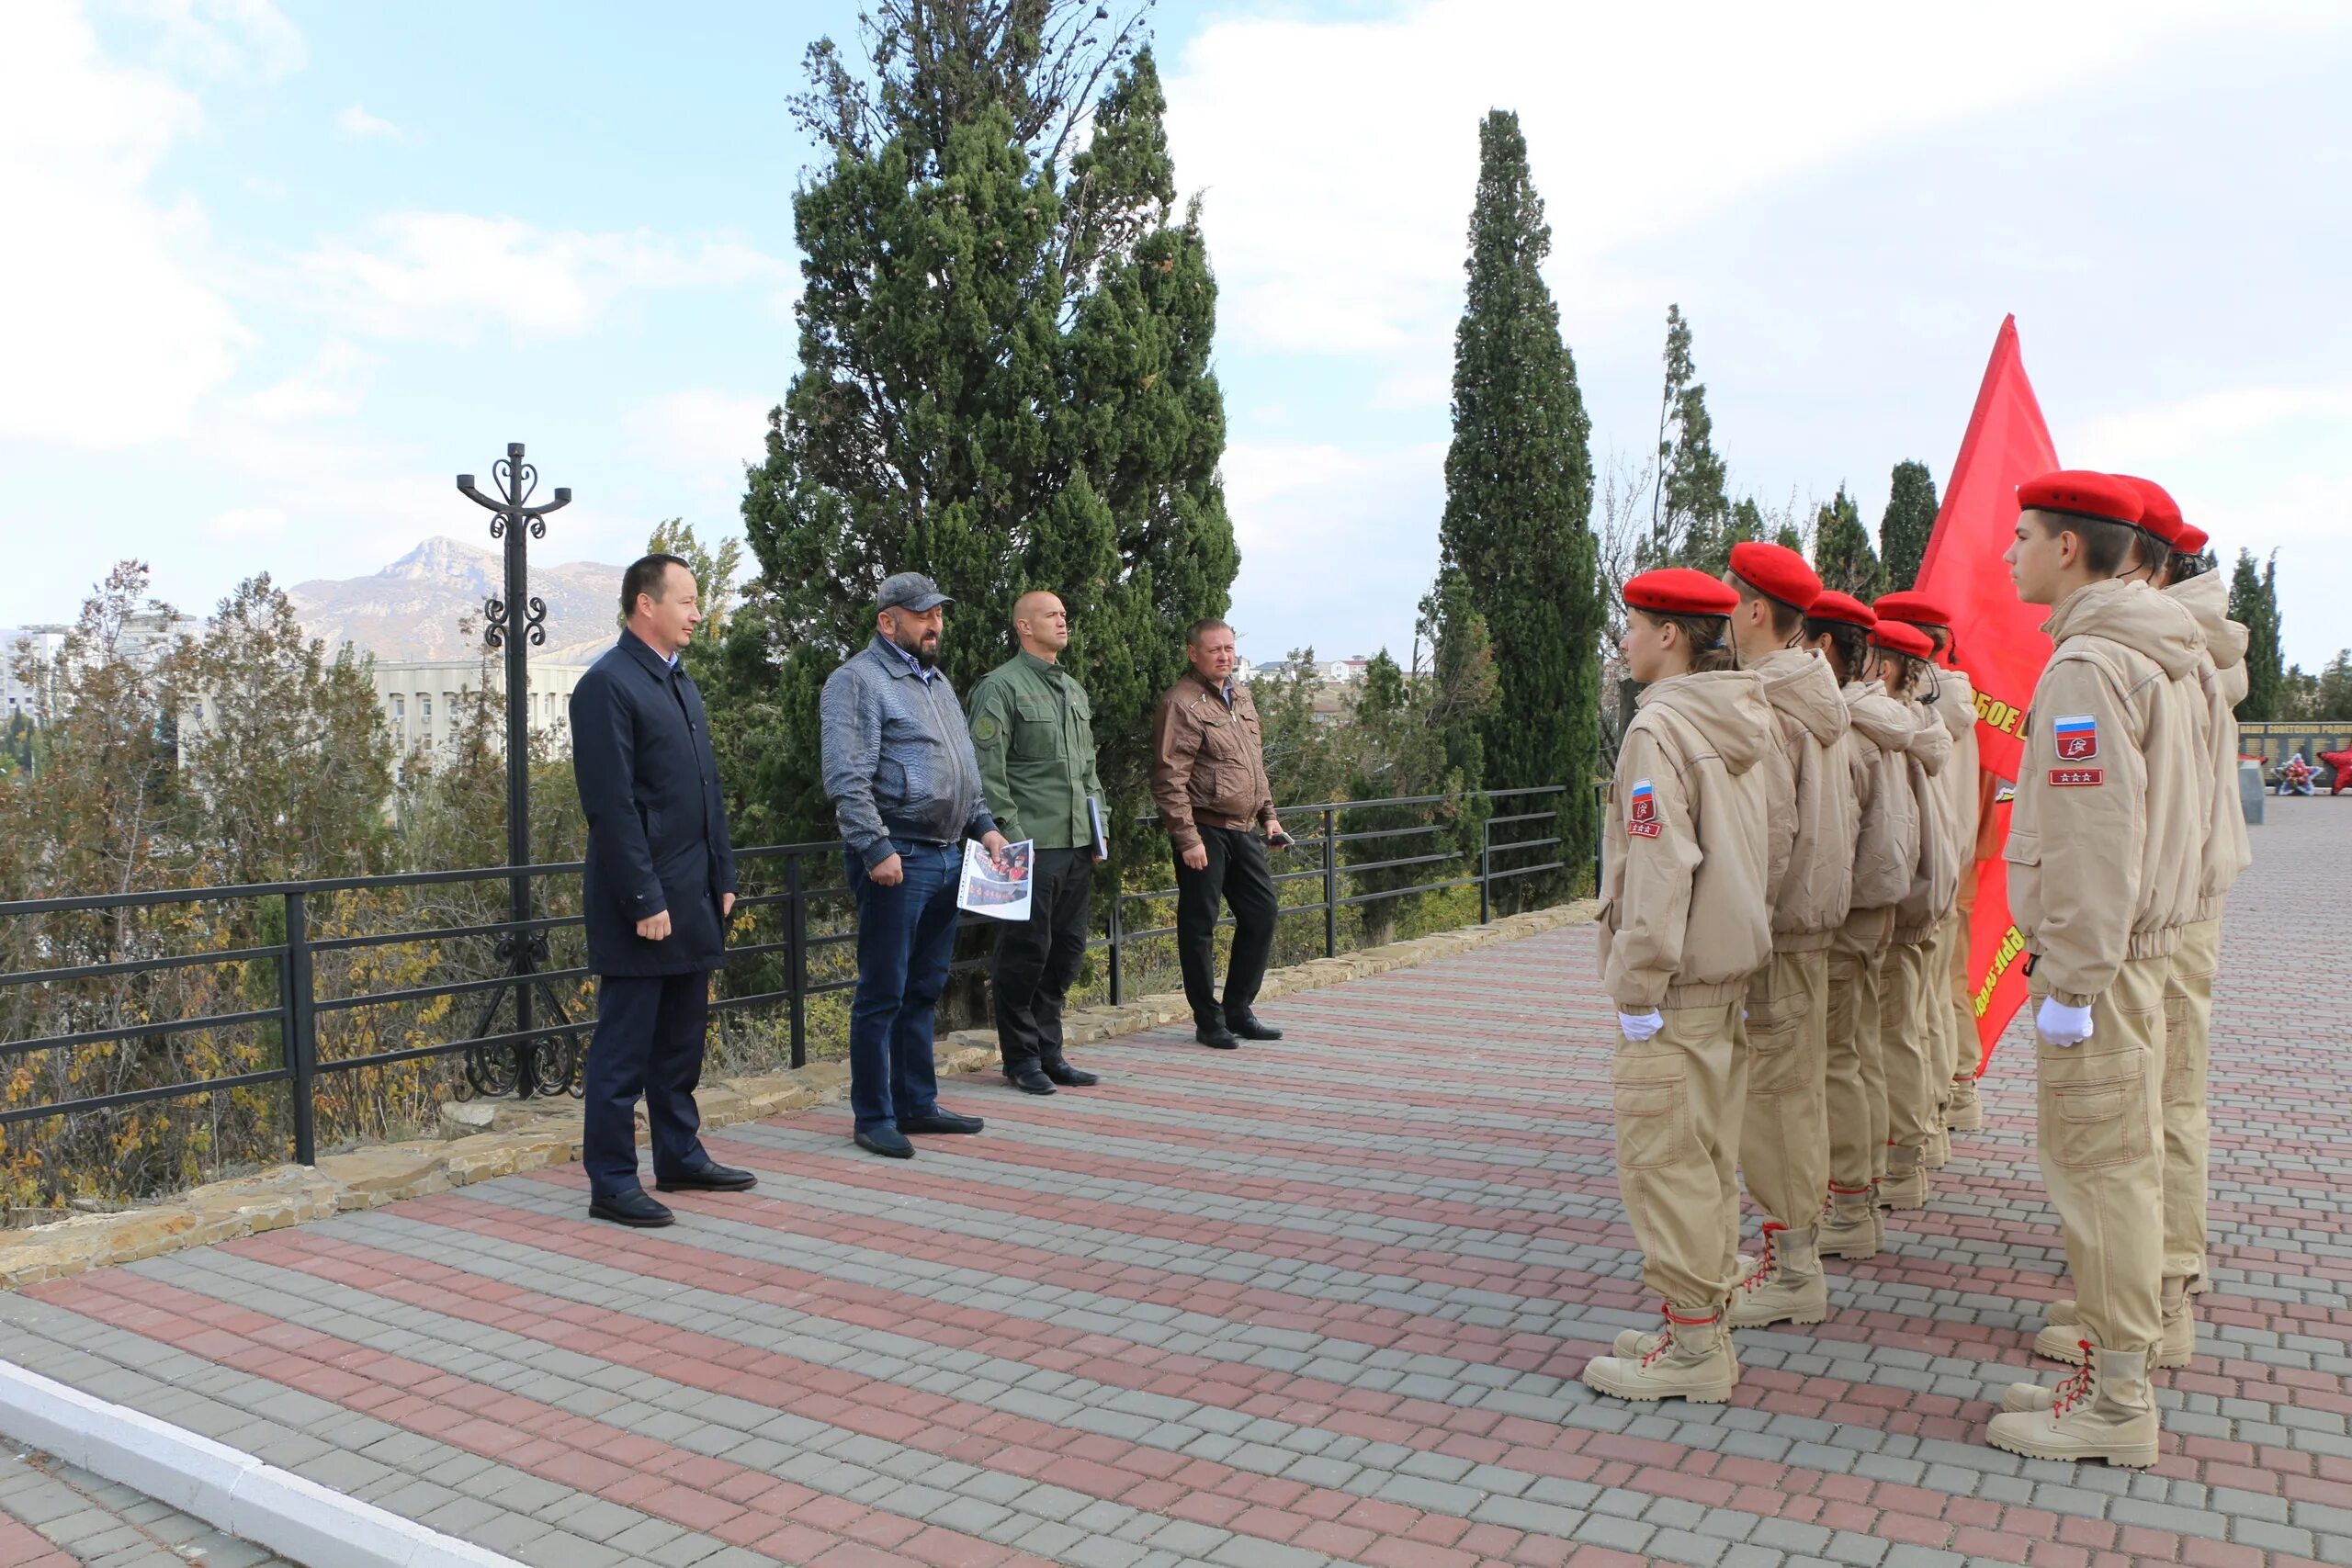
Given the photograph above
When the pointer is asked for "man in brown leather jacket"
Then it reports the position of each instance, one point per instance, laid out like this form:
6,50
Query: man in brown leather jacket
1208,776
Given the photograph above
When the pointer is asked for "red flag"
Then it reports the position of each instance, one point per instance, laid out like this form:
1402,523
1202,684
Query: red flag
1997,638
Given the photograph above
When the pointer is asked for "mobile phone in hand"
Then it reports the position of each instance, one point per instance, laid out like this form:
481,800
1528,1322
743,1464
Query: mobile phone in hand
1278,841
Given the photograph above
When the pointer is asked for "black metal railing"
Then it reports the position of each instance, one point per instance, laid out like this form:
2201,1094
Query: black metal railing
789,879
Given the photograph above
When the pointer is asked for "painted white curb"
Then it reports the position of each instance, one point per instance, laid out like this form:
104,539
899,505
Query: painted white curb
224,1486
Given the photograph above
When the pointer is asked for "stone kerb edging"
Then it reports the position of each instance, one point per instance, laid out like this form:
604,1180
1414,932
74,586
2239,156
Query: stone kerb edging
226,1487
482,1139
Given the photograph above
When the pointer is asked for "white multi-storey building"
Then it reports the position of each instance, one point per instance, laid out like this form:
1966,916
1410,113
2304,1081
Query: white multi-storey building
422,699
42,645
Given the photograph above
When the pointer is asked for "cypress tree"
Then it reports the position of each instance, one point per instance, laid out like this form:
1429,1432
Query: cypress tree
1517,528
2254,604
1841,550
1910,518
1693,521
1003,382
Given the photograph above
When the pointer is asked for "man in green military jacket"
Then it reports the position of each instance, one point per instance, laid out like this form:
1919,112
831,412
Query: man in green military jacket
1031,728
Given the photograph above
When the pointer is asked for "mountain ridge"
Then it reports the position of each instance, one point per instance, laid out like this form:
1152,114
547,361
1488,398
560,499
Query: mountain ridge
416,608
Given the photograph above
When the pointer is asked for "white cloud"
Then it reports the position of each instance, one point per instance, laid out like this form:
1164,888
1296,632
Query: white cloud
244,524
354,121
110,332
442,275
1332,537
332,387
1339,159
232,40
705,434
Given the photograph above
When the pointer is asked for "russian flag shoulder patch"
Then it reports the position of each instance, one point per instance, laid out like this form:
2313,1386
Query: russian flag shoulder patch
2077,736
1641,810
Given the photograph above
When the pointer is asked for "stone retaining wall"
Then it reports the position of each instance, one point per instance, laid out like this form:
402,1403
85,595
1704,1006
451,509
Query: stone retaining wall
482,1139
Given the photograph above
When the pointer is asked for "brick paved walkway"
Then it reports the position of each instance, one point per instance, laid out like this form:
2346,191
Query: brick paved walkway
1323,1301
53,1516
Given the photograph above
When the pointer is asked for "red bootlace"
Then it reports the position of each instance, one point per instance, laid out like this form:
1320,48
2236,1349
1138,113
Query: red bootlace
2075,1389
1763,1270
1666,1336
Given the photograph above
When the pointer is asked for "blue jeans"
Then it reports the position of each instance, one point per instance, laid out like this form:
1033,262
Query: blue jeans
906,940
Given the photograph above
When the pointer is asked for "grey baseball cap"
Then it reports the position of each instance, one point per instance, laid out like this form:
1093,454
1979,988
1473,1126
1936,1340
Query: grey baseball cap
910,591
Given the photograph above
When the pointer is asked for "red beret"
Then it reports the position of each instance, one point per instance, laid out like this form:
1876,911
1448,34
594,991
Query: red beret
1777,572
2084,493
2192,540
1901,638
1679,591
1832,606
1916,609
2160,514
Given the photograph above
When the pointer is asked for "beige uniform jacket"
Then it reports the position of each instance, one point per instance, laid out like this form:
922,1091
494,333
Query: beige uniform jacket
1817,892
2114,791
1686,894
1935,876
2223,678
1886,840
1955,704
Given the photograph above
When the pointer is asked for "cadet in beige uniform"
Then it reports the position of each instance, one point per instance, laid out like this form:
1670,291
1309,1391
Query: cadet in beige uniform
2189,986
1886,848
1909,1034
1954,700
2113,804
1685,922
1784,1137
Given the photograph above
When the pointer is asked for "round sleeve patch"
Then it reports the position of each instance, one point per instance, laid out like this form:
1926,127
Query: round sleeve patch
984,728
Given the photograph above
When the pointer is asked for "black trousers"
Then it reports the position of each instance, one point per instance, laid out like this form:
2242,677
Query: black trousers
1037,959
1236,873
649,1041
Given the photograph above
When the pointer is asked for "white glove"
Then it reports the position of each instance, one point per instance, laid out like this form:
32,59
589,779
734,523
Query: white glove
2063,1025
1640,1026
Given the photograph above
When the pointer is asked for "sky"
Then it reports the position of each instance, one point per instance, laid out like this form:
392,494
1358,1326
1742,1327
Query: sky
278,271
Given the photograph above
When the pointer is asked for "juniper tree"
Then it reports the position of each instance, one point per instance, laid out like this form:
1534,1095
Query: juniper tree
2254,604
1003,381
1517,527
1841,550
1904,530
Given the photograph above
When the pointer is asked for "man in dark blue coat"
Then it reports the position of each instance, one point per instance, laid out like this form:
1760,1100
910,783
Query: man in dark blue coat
660,887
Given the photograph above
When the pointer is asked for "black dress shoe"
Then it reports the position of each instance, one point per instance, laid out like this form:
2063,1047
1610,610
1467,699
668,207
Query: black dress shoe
631,1208
1217,1037
888,1142
713,1177
1068,1077
941,1122
1028,1080
1248,1028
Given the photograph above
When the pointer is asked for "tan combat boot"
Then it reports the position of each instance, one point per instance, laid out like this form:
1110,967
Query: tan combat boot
1967,1112
2113,1417
1693,1359
2059,1341
2031,1396
1906,1186
1786,1285
1850,1225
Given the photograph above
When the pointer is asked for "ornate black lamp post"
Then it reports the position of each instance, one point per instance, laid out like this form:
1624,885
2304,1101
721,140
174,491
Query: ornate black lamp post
543,1063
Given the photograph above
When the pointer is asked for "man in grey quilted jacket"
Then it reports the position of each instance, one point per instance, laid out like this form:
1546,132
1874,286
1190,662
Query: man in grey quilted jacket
906,792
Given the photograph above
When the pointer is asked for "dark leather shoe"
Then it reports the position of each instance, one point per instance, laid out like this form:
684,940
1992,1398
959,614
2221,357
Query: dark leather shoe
941,1121
1068,1077
1248,1028
1217,1037
888,1142
713,1177
631,1208
1028,1080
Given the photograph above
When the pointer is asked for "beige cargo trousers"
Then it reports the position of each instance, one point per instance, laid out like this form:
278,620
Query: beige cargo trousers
1680,1098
